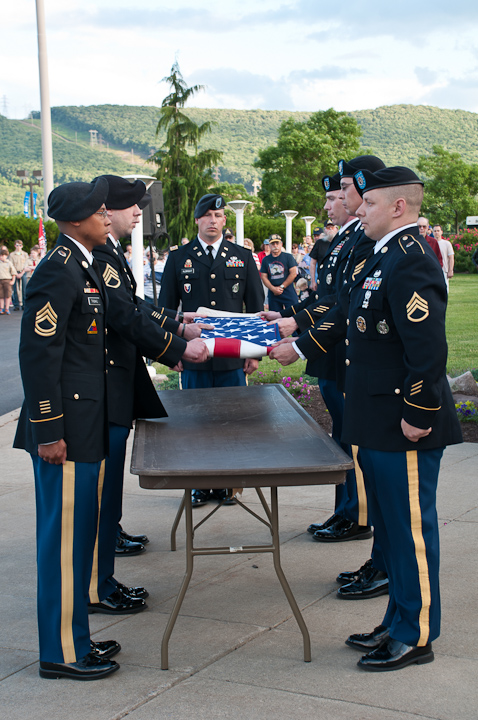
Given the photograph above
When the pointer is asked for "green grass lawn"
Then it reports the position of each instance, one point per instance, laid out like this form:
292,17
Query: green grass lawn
462,324
461,327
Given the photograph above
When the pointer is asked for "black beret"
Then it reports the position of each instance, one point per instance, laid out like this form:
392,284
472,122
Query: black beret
76,201
362,162
123,193
388,177
331,182
145,200
208,202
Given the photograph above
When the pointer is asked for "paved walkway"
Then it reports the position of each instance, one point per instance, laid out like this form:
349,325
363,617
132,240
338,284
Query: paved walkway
235,651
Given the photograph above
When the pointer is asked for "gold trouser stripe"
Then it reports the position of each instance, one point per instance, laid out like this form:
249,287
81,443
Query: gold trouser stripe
180,381
93,591
67,586
361,493
420,550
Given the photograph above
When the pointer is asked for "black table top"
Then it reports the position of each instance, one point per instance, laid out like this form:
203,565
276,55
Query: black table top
256,436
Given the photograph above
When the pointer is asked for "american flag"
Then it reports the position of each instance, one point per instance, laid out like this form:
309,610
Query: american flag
253,329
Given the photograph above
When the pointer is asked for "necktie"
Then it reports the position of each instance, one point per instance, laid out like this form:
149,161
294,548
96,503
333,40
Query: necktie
210,257
96,268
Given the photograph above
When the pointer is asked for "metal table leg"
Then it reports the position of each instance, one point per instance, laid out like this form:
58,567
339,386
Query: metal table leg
187,502
281,576
176,522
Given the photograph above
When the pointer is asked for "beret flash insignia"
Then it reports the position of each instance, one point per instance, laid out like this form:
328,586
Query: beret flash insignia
361,182
327,183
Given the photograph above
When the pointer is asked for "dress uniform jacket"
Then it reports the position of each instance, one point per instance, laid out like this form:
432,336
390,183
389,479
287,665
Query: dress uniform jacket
135,328
330,278
396,350
62,357
229,284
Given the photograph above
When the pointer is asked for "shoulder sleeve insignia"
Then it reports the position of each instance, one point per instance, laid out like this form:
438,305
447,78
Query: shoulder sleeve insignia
60,253
111,277
46,321
358,269
417,308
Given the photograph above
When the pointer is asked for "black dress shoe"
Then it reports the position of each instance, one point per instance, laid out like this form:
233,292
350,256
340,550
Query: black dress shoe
105,648
133,538
134,592
368,641
344,578
127,548
118,603
91,667
321,526
395,655
222,496
343,530
369,584
200,497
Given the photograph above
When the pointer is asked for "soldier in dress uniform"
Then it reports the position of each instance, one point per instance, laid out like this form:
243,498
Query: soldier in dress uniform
212,272
63,425
398,409
135,329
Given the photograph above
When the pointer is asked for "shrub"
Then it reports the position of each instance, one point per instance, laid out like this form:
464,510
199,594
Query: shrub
464,245
467,411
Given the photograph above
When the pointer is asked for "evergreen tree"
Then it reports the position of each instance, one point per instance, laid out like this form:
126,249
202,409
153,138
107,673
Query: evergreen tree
186,172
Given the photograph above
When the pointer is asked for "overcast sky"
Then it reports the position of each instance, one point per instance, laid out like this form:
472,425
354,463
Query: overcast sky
290,55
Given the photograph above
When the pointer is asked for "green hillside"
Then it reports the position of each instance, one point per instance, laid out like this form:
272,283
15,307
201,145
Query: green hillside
20,144
398,133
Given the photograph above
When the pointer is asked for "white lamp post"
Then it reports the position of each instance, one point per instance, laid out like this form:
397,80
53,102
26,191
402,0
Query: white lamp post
238,206
289,216
137,240
308,219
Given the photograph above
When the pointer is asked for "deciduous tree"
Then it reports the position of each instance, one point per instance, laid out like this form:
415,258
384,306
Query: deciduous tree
451,187
306,151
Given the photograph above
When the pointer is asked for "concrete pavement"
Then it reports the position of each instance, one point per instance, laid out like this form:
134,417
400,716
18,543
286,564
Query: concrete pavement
236,652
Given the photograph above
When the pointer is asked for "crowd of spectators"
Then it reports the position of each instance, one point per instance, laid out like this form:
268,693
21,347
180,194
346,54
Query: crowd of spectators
16,269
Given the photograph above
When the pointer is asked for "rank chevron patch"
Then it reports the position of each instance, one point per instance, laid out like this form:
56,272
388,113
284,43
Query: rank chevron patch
417,304
358,269
111,277
46,321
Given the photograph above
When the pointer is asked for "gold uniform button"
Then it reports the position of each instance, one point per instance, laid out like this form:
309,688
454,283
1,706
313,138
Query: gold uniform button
397,391
106,351
76,396
186,277
213,276
347,342
348,321
213,302
96,310
347,362
213,289
112,362
106,331
237,276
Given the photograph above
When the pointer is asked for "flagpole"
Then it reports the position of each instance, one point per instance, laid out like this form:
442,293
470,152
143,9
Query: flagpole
46,141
